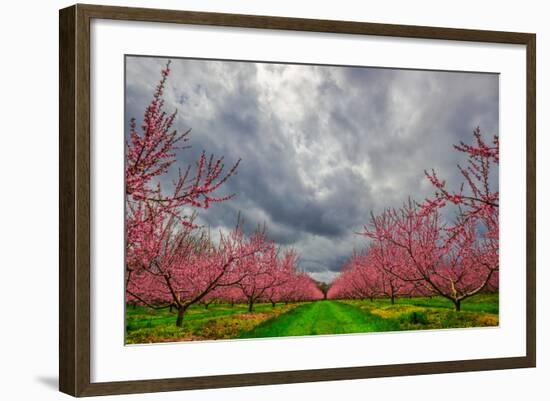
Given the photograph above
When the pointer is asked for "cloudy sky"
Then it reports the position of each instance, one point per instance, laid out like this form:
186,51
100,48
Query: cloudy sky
321,146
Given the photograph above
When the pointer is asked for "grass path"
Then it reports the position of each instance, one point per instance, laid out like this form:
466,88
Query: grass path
322,317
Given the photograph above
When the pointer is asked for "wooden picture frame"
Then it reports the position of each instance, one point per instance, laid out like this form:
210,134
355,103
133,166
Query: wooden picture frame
74,199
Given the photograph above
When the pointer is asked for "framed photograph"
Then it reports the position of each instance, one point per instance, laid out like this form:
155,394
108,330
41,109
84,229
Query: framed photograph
250,200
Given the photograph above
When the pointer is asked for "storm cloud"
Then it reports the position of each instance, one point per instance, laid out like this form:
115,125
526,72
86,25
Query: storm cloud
320,146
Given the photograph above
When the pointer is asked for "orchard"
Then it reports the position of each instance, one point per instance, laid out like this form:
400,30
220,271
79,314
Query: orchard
426,259
415,251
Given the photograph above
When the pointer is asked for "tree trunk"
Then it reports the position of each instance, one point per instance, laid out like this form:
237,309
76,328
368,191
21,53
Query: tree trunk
171,307
206,305
371,299
393,299
181,313
457,306
134,306
272,304
250,305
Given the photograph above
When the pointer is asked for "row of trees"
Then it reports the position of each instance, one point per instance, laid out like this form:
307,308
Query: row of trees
193,269
170,261
414,250
363,277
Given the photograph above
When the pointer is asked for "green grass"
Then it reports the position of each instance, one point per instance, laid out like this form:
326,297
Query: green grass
219,321
222,321
322,317
422,313
487,303
140,317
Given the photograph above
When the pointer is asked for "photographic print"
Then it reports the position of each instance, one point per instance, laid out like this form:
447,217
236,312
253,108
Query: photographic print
270,199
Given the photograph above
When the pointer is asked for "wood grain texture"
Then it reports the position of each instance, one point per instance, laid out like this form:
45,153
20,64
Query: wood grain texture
74,199
67,131
301,24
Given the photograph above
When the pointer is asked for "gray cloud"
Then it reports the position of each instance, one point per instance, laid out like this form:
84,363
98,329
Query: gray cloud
320,146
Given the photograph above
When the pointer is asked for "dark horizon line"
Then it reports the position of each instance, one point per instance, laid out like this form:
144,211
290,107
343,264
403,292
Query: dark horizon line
305,64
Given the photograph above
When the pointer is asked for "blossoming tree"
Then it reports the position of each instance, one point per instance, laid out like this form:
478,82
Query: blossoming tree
154,209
